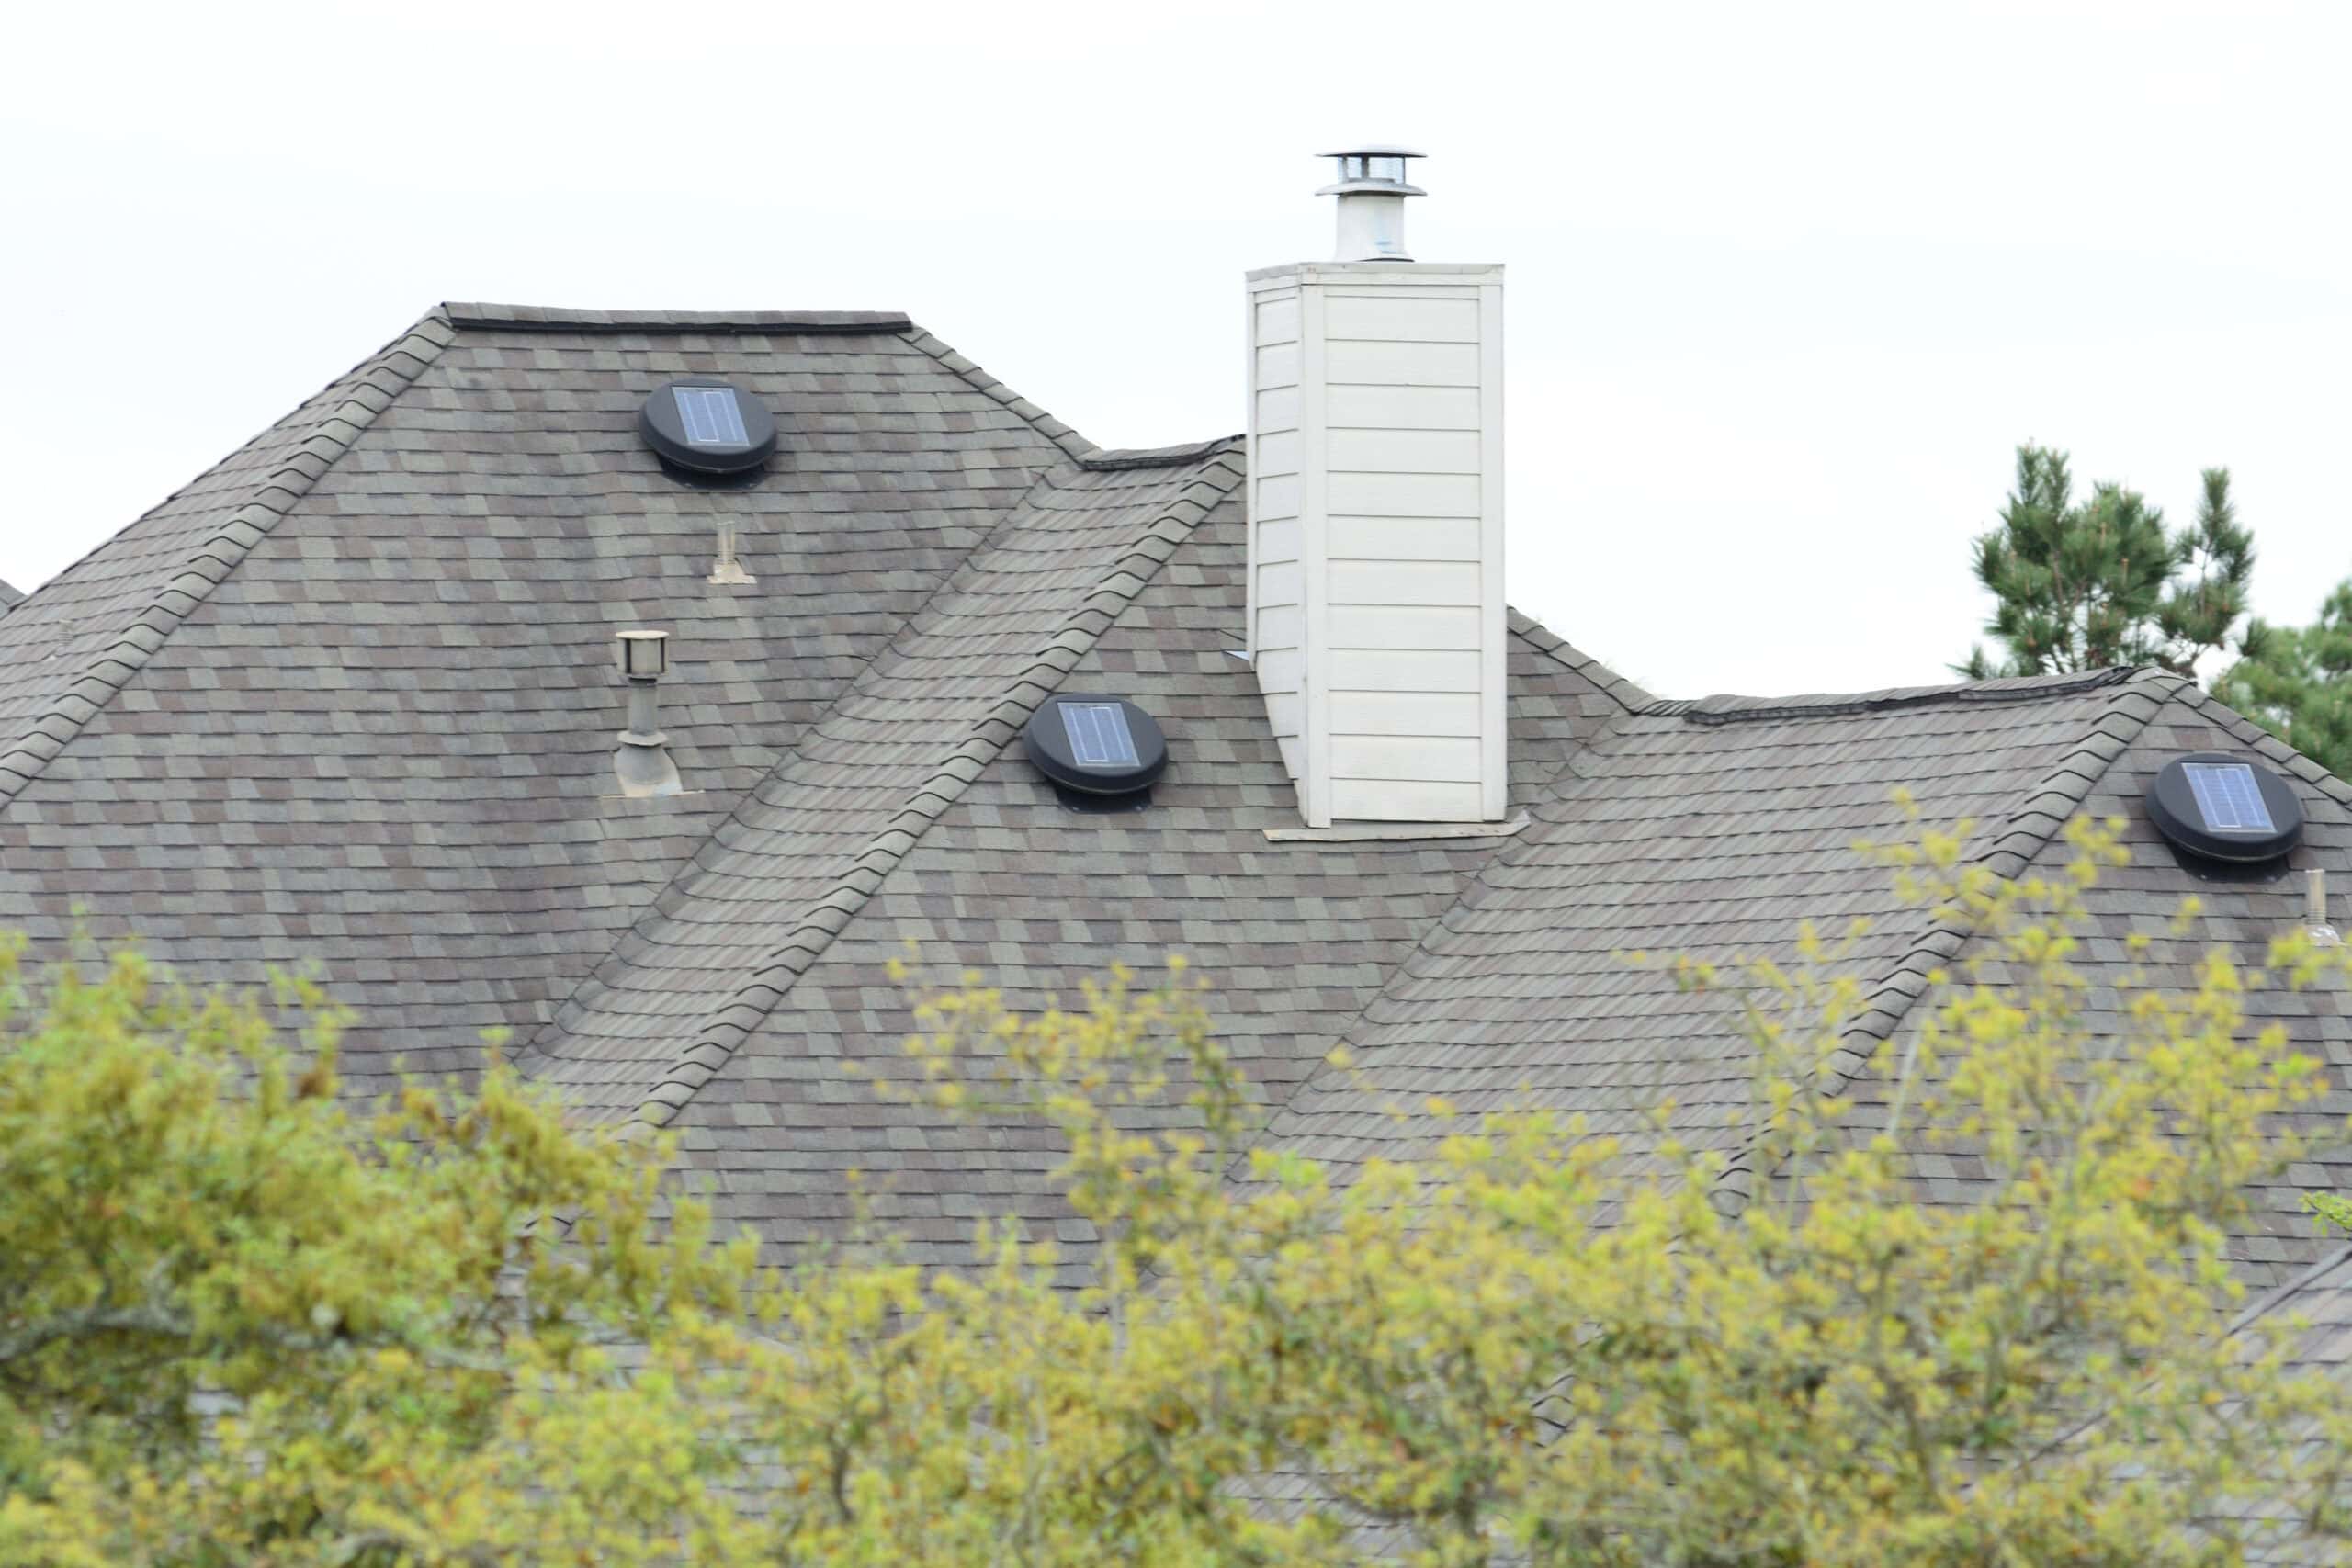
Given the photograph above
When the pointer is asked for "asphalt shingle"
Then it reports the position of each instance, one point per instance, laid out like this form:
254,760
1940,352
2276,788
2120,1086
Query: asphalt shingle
346,702
360,714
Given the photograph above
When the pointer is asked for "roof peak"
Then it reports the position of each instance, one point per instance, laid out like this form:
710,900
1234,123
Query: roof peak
547,318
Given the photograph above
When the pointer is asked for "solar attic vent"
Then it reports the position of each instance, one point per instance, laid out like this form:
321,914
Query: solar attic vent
2224,815
704,428
1101,753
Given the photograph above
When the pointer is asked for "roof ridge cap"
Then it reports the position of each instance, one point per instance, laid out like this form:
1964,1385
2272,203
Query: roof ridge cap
1107,459
1072,444
274,494
731,1022
485,315
2057,797
1728,708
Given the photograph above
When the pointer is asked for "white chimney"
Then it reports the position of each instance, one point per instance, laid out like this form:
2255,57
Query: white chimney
1376,439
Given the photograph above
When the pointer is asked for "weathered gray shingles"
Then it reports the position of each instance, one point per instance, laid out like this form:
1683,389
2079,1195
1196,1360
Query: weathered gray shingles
382,744
8,594
2314,1304
1667,836
2240,916
93,625
1294,937
797,861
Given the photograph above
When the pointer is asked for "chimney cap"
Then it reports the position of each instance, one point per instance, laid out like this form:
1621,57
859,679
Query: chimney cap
1372,169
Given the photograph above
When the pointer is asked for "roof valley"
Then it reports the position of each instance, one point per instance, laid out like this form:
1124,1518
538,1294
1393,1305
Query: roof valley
539,1047
797,787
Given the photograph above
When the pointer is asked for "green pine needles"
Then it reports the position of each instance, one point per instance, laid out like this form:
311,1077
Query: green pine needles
2083,583
2297,683
2088,582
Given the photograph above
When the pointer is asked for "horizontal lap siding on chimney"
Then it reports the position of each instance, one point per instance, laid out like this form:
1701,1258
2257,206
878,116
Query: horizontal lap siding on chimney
1399,541
1277,573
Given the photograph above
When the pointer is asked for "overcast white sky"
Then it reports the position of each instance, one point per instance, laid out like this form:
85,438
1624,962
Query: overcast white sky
1788,282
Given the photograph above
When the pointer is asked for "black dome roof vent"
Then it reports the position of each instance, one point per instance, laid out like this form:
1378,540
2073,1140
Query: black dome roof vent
2225,816
708,430
1101,753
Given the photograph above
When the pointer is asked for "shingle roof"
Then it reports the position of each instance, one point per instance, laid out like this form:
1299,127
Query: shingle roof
1296,938
8,594
2316,1303
1711,829
805,848
347,701
98,622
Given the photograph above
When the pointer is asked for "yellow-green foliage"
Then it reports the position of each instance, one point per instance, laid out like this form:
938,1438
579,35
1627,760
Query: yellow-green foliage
236,1326
240,1325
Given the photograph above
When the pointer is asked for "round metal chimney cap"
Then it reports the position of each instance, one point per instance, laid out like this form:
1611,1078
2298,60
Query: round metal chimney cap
1373,171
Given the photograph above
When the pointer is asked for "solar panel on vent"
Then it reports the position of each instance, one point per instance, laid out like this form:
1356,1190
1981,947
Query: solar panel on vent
2228,797
1098,735
710,416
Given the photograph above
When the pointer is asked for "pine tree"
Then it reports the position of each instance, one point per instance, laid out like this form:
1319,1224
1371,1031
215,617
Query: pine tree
2082,585
2297,683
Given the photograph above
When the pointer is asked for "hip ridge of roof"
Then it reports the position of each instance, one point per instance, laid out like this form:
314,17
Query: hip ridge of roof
2039,817
375,383
708,1049
1073,445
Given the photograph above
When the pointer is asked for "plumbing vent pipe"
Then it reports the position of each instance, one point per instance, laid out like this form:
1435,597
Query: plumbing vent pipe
726,571
2315,910
642,762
